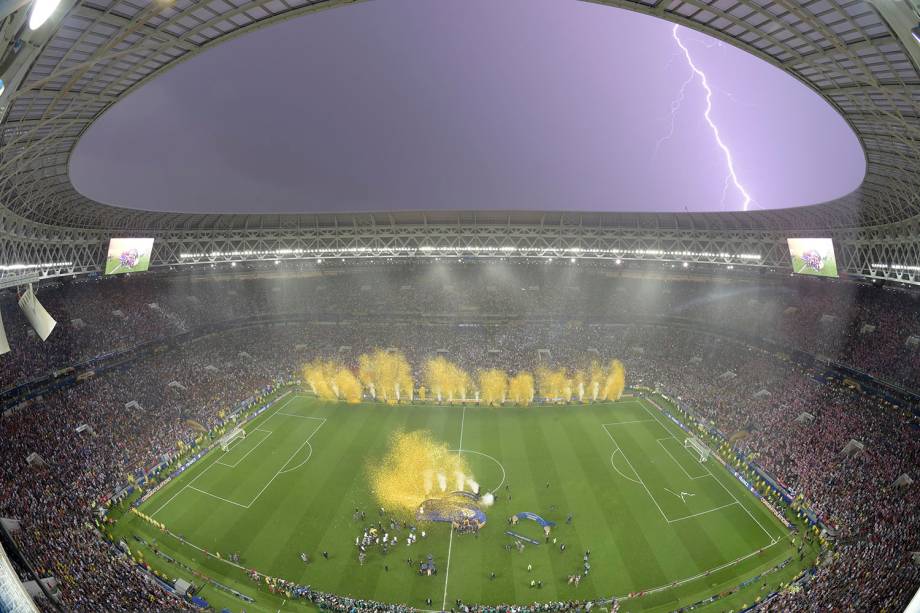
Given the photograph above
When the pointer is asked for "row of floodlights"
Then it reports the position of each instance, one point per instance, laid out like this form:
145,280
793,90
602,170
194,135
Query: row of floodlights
579,251
897,267
48,265
618,261
15,267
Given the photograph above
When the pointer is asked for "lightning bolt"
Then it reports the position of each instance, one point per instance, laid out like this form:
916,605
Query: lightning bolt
675,106
732,176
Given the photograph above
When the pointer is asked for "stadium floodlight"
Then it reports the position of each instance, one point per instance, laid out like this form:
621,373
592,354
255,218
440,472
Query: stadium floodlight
41,11
916,32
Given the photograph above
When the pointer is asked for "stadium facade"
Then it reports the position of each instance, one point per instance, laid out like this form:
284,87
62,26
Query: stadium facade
859,56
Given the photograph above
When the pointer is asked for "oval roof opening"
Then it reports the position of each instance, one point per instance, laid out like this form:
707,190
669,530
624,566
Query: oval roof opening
518,104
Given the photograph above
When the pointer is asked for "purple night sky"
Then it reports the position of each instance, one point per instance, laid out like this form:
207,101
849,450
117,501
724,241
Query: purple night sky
479,104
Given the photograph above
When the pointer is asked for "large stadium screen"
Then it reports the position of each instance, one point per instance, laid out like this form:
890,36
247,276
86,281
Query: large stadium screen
813,256
128,255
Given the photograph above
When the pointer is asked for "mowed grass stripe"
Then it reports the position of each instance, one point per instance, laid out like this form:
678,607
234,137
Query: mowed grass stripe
401,582
572,448
298,505
470,561
622,413
730,529
529,493
620,539
474,558
633,547
557,502
489,439
329,511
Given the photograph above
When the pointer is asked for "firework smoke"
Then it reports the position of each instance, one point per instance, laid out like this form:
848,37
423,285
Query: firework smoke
403,479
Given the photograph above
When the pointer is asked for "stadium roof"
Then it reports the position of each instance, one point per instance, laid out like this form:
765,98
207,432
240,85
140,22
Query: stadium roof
538,105
845,50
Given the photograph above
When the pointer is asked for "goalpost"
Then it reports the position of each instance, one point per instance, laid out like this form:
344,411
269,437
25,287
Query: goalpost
236,433
697,446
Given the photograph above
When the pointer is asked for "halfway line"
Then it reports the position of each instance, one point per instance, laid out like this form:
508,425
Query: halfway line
450,544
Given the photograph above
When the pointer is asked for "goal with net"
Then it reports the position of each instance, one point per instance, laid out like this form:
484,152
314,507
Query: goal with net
236,433
697,446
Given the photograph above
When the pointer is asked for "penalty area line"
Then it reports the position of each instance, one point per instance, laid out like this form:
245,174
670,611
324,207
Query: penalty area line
708,470
633,421
281,403
724,506
284,466
188,485
299,416
616,451
192,487
636,472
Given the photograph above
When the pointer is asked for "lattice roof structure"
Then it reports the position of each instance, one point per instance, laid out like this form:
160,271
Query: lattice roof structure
848,51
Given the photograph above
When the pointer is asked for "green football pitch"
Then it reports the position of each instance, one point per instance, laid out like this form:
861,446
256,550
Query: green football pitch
655,519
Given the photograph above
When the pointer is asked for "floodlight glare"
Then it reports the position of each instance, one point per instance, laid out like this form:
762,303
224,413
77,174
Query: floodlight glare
41,11
916,32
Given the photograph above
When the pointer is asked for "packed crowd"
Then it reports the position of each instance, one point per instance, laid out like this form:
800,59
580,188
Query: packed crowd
876,330
56,503
875,521
878,524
